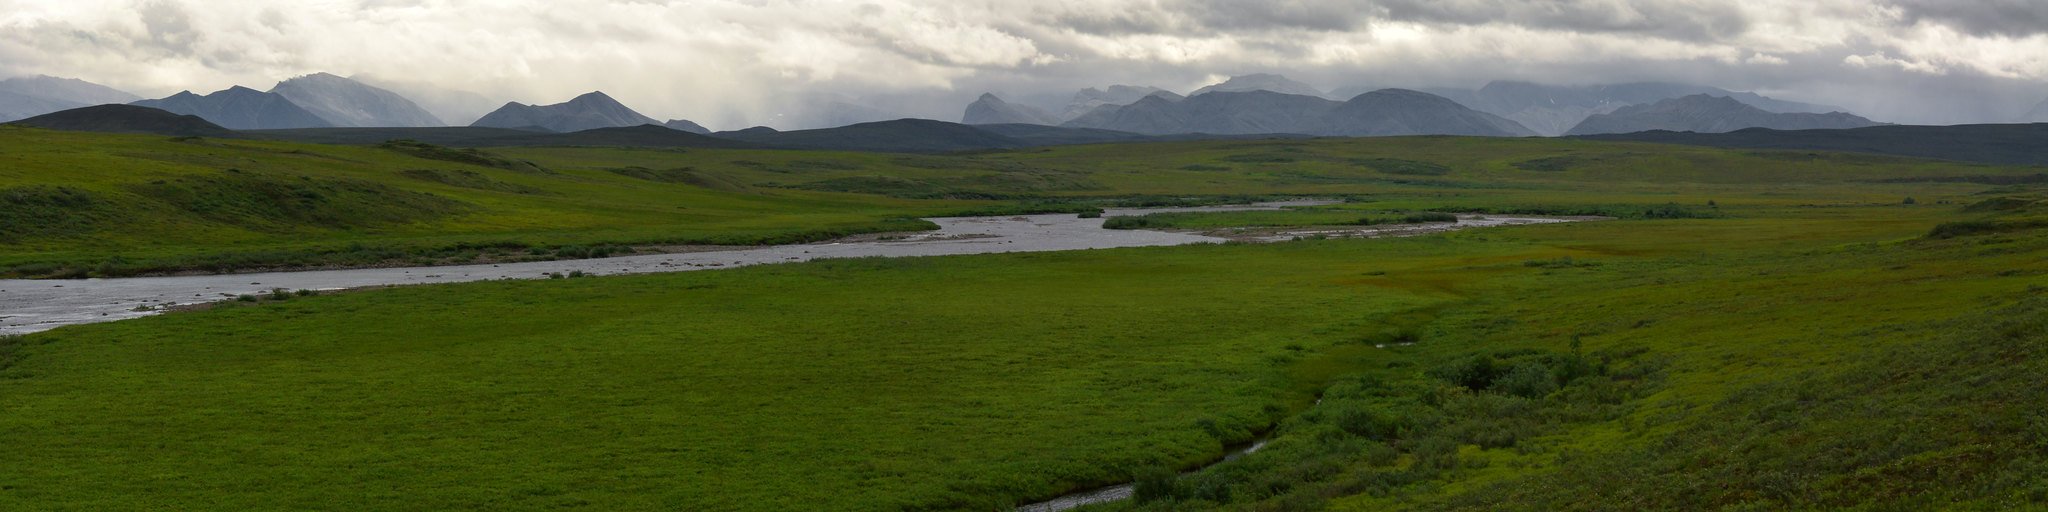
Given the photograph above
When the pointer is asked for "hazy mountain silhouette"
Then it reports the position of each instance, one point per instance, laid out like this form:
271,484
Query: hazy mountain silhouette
1709,114
66,89
117,118
452,107
24,97
1381,113
589,111
990,109
2039,115
348,103
1556,109
1091,98
240,108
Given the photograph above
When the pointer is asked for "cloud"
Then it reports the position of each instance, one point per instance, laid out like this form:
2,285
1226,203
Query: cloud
2012,18
734,63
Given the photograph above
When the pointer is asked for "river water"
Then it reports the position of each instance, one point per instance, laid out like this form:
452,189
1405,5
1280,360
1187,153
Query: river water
28,306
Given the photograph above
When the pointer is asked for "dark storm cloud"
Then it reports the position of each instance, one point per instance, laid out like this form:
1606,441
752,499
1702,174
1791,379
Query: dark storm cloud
2014,18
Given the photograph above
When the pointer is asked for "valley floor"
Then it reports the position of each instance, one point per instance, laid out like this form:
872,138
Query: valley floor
1754,331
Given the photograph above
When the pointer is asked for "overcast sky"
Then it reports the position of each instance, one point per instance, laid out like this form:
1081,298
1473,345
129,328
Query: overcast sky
735,63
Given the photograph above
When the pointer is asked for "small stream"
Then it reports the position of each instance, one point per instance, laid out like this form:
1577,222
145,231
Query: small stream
1124,491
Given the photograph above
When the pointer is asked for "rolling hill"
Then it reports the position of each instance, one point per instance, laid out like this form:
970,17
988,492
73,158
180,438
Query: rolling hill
116,118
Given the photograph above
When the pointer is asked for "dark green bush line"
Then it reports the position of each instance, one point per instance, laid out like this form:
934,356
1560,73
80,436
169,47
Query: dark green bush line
1357,438
359,255
1947,230
1979,179
418,149
1402,167
1663,211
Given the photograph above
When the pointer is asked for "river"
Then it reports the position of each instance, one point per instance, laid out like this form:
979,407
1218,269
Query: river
28,306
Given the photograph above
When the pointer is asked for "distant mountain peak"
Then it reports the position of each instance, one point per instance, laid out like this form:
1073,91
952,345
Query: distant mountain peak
588,111
593,96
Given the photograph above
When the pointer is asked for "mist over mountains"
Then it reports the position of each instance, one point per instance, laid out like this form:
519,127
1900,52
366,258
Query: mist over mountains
1255,104
349,103
2038,115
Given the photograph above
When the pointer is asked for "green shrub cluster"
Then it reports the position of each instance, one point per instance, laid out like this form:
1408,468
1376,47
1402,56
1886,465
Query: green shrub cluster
1376,435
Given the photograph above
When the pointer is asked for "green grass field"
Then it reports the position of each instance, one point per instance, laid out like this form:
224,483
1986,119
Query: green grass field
1814,343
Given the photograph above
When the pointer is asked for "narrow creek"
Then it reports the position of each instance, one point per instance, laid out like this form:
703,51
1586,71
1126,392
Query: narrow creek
1123,491
28,306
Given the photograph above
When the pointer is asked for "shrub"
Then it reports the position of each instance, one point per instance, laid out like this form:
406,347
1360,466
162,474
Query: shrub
1425,217
1368,421
1130,222
1154,484
1475,373
1091,215
246,298
1909,200
1527,380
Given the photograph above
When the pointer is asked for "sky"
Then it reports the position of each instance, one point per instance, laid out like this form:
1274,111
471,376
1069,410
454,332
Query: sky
736,63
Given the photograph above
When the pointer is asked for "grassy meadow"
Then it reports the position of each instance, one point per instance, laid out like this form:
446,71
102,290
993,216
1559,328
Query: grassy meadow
1802,337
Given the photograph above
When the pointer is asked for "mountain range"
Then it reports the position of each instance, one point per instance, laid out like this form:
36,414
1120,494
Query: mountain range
348,103
1555,109
25,97
1709,114
240,108
1388,112
2014,144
